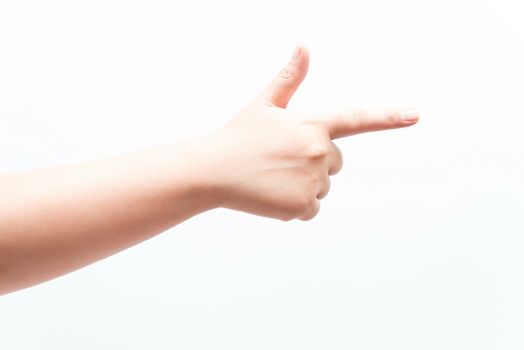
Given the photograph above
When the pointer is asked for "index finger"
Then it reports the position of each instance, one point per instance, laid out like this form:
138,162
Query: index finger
347,123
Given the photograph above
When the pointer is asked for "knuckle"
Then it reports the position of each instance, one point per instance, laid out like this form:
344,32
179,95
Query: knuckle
311,211
302,204
303,207
392,117
338,161
311,202
305,204
286,73
318,150
295,209
335,169
325,189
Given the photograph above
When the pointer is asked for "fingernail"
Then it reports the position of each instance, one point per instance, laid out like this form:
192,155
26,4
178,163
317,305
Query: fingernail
409,115
296,52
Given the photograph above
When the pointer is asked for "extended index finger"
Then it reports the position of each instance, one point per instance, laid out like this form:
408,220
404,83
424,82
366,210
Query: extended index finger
347,123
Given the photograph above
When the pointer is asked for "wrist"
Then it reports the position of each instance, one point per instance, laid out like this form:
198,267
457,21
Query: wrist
197,165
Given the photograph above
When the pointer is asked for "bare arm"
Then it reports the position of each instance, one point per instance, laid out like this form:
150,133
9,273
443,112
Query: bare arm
56,220
267,161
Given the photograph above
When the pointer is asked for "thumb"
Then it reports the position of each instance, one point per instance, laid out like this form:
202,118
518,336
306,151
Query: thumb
281,89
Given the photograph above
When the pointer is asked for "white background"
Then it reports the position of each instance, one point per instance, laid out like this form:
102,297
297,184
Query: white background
419,244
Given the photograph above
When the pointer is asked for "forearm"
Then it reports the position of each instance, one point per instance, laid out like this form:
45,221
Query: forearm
55,220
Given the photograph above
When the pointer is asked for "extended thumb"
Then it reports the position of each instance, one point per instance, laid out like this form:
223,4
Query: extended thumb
281,89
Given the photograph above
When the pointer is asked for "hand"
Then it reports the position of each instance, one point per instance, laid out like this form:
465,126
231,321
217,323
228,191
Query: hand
274,162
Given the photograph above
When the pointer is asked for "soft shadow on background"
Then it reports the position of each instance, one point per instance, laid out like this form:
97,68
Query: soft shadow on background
419,244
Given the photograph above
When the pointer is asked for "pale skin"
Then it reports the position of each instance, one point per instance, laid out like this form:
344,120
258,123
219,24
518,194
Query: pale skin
267,161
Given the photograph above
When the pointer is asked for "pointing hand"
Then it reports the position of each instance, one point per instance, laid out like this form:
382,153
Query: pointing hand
274,162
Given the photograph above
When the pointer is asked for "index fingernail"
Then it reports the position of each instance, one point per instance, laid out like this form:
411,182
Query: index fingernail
409,115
